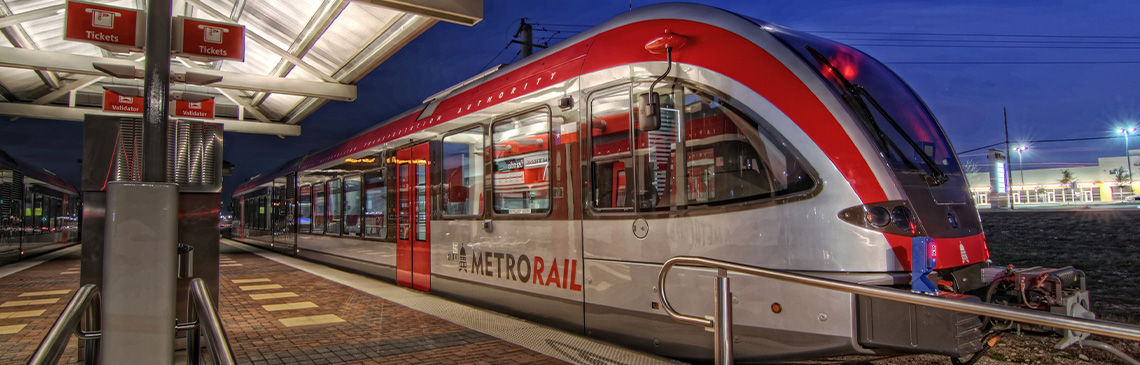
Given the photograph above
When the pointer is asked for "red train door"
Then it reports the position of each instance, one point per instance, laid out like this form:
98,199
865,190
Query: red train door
413,231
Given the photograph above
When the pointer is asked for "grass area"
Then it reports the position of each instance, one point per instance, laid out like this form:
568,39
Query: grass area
1103,243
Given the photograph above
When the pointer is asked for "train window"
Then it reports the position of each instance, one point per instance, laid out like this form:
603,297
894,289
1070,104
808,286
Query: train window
611,159
55,214
319,208
333,210
706,151
656,151
374,204
731,157
421,201
463,173
352,205
521,156
38,219
910,138
305,209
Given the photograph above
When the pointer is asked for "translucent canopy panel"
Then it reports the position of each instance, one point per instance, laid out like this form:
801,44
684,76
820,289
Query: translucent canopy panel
298,54
356,27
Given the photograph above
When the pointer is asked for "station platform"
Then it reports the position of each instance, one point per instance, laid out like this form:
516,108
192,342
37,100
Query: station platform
282,310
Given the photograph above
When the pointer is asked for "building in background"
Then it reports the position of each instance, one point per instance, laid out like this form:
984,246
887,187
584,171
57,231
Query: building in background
1103,182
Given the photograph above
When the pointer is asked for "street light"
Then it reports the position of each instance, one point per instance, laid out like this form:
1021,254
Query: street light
1019,167
1127,154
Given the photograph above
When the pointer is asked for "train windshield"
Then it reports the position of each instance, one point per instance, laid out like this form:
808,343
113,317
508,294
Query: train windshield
895,118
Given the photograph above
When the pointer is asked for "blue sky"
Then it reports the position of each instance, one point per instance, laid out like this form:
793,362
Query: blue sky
1050,93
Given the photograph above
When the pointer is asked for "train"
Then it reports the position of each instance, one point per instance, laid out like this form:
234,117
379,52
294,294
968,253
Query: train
39,212
555,188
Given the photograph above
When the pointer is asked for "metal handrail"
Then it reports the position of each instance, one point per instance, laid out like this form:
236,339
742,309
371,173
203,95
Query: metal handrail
53,344
208,319
1117,330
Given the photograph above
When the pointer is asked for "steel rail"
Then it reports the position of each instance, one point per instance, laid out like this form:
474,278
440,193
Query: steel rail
53,344
1105,328
211,323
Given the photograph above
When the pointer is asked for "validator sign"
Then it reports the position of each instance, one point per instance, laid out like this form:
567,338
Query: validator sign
208,40
115,102
110,27
194,109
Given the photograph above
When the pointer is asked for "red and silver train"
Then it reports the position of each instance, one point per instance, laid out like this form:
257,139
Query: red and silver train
554,189
39,212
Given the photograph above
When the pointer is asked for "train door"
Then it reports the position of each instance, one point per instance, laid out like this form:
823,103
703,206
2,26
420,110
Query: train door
413,241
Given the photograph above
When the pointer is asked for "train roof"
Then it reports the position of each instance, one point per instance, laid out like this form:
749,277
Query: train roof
38,173
404,125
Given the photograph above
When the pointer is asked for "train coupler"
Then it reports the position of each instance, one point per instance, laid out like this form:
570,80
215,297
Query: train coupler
1060,291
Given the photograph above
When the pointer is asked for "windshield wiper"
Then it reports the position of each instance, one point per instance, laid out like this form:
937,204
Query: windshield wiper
855,94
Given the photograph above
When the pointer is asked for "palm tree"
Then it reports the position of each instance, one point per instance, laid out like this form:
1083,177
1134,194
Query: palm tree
1067,179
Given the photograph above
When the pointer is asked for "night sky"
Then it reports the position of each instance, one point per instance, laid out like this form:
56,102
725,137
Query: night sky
1063,69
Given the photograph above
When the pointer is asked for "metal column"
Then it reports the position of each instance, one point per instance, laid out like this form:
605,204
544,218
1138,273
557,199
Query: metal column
139,263
156,90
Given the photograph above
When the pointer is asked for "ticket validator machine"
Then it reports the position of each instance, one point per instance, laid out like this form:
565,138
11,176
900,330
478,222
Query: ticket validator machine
136,234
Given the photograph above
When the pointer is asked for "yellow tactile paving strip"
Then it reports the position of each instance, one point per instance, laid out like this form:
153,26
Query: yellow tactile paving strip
261,287
288,306
43,293
10,329
22,303
31,299
310,320
22,314
247,281
273,295
313,320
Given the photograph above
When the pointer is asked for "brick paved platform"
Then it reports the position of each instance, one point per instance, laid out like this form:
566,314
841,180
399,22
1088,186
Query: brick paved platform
280,310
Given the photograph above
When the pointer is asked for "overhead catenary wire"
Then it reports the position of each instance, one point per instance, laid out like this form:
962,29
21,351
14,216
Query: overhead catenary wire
991,41
978,34
1012,62
1040,141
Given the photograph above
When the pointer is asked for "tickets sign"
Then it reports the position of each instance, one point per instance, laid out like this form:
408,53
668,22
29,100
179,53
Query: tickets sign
114,102
198,109
106,26
198,38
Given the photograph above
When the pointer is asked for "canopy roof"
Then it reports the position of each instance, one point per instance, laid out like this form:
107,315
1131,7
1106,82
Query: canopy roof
298,55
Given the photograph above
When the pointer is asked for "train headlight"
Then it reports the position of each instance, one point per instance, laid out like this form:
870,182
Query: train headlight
878,216
900,216
889,217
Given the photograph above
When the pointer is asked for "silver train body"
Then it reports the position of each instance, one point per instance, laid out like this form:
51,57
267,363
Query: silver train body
39,212
538,190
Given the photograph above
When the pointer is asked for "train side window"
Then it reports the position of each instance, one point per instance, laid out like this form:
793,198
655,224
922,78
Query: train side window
375,196
731,157
521,156
611,161
333,210
463,173
319,208
352,205
656,151
38,214
29,217
305,209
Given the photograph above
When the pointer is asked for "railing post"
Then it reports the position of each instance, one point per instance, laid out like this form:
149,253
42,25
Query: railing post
722,322
193,346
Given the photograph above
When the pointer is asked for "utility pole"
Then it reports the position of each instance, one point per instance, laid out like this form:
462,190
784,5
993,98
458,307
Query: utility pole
526,32
1008,180
1127,153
